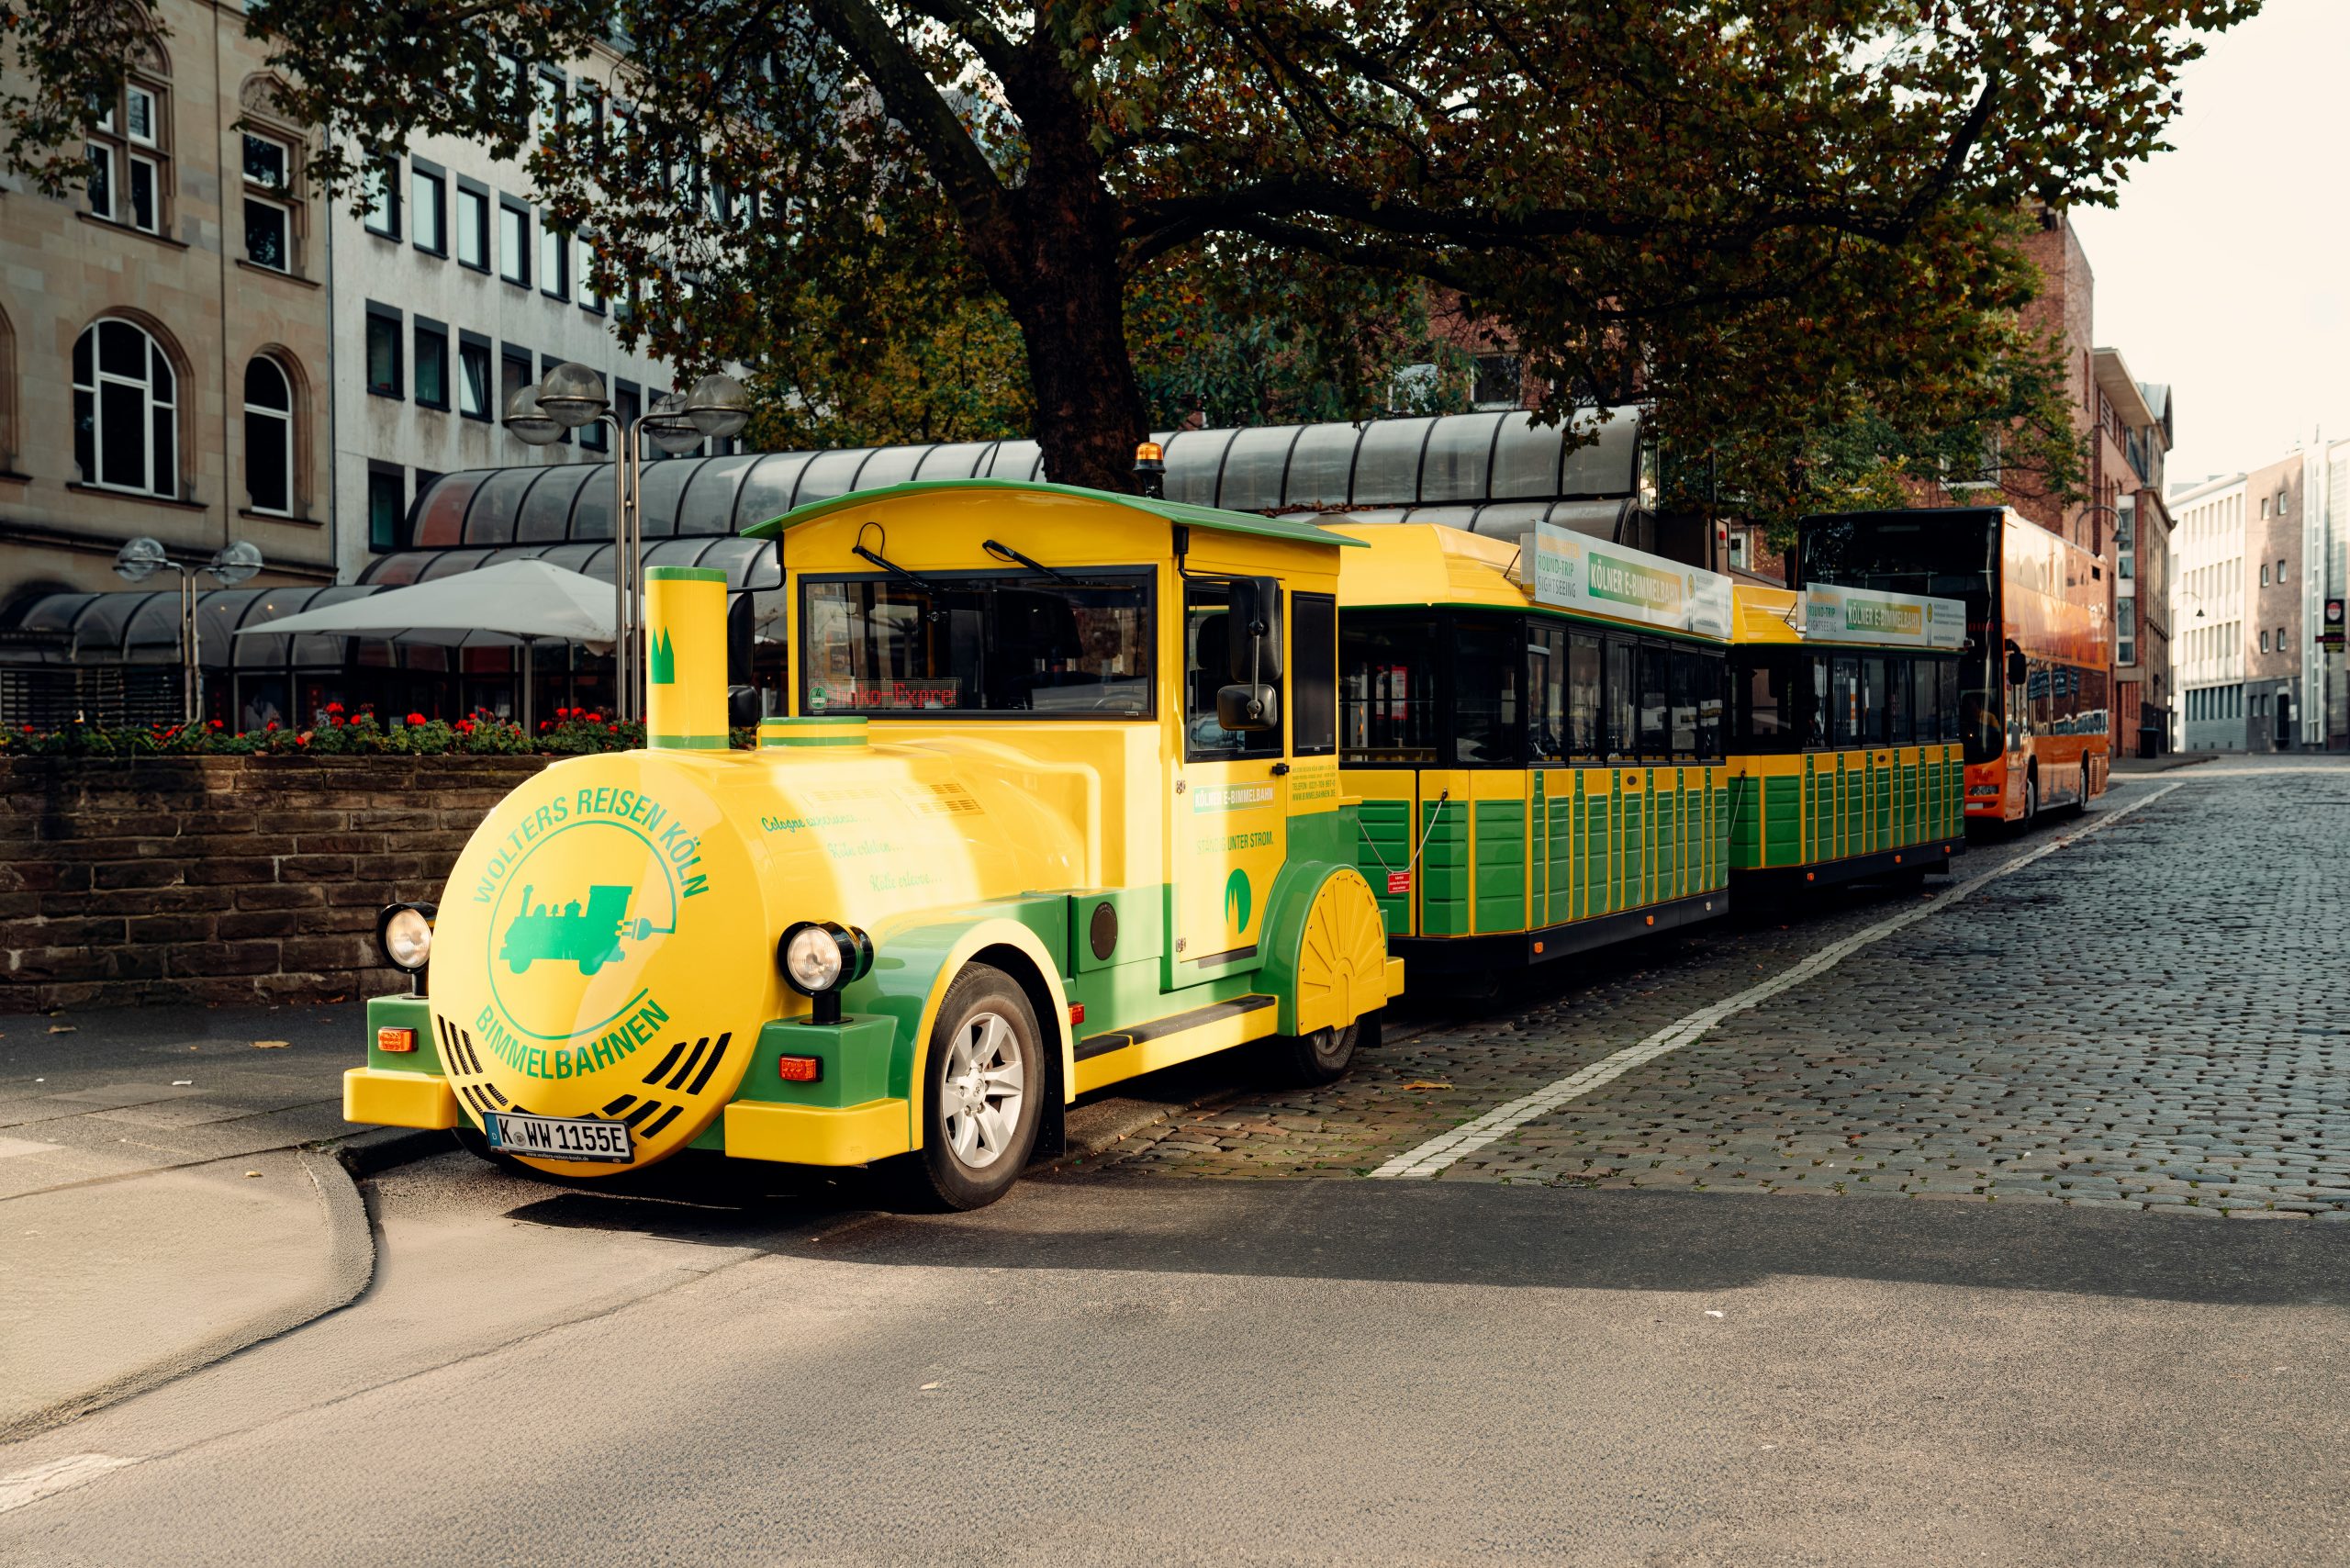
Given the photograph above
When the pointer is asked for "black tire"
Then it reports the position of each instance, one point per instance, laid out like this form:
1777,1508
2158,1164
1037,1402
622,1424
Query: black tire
1323,1056
2030,798
935,1176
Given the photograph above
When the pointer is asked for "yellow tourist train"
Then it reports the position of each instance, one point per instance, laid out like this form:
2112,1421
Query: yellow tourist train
1074,786
1057,803
1547,759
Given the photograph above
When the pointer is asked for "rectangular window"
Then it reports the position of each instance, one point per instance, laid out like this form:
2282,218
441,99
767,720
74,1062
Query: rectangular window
428,194
269,238
628,402
1387,701
383,198
513,374
102,181
1587,711
1207,669
589,299
1018,646
383,351
1900,710
1655,716
431,364
1844,702
2280,571
1623,739
1876,710
1314,674
1546,691
514,243
1488,678
1767,700
473,376
555,261
2125,631
387,506
146,195
472,227
595,436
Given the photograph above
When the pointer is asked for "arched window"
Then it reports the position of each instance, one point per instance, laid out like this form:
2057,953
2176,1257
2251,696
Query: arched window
269,436
125,410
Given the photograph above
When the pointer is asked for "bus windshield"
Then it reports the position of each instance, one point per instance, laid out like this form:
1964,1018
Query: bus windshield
1949,555
977,644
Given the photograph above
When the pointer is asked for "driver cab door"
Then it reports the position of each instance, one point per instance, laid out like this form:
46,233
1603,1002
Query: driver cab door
1230,799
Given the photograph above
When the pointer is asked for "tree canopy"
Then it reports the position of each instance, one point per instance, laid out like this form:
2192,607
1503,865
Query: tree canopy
1773,217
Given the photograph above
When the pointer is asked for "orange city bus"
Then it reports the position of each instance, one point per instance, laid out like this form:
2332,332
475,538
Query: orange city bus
2035,691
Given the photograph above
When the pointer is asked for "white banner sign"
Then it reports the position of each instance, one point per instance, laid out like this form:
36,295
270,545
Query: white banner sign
1573,571
1868,615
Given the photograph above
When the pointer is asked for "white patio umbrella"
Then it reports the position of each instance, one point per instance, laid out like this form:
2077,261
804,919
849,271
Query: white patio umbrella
517,601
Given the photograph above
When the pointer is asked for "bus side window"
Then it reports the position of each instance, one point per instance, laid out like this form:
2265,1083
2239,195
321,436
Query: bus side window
1900,716
1818,732
1713,675
1586,735
1655,702
1873,702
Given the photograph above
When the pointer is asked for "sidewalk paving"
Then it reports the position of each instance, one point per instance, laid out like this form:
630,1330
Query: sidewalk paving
168,1192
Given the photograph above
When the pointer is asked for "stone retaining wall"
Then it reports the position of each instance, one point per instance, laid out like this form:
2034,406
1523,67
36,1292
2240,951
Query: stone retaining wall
222,879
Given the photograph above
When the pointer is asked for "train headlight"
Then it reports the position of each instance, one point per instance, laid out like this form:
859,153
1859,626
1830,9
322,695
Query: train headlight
404,932
818,956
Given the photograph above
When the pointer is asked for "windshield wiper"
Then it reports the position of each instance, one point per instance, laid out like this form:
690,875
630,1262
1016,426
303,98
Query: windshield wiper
929,589
1006,553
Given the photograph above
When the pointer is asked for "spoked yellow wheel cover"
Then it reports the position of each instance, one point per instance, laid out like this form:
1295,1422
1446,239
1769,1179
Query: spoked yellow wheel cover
1342,956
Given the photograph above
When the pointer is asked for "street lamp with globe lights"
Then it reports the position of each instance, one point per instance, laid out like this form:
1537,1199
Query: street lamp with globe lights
141,558
572,396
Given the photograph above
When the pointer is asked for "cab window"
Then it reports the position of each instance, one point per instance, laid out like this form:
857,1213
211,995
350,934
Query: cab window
1387,701
1207,669
977,645
1314,674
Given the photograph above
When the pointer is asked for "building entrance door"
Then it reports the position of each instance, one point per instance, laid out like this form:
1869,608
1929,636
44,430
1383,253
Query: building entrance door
2284,721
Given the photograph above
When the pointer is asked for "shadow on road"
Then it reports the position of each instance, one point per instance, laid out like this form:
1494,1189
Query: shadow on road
1518,1237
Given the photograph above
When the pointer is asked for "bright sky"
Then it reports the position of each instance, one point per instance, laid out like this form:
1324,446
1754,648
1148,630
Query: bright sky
2225,270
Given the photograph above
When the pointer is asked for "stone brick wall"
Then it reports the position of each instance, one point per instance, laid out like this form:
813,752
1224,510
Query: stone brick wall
221,879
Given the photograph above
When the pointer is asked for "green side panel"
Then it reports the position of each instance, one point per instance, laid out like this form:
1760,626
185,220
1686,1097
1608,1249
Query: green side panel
1383,844
1501,865
906,959
1325,837
1444,870
1632,854
1559,811
1592,841
1137,927
1664,880
1783,809
1748,817
402,1011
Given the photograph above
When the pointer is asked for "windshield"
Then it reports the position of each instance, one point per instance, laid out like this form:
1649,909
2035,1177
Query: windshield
970,645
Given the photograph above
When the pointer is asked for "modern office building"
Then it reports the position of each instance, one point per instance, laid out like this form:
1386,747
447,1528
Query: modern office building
2208,610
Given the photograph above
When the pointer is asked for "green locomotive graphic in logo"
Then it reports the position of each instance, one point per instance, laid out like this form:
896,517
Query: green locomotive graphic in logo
589,937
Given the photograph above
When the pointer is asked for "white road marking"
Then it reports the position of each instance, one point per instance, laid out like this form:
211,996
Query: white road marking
1446,1149
57,1475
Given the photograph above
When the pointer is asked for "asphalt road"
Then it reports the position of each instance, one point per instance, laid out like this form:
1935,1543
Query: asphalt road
1140,1362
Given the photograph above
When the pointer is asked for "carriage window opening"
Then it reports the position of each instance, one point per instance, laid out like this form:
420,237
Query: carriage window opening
1655,716
1546,691
1900,714
1620,702
1207,668
1586,736
1844,700
1873,702
1387,703
1683,703
1314,674
1769,706
1713,674
1008,645
1488,673
1925,692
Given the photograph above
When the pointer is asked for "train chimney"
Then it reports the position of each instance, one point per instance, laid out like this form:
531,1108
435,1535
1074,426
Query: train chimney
685,658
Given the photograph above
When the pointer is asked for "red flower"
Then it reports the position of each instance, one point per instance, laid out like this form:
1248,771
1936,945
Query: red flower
543,724
334,707
216,725
271,726
29,729
416,718
302,739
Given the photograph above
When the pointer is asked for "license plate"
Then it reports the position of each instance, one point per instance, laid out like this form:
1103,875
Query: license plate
556,1137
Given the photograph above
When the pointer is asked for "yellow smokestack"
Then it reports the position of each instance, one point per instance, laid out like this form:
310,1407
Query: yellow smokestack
685,658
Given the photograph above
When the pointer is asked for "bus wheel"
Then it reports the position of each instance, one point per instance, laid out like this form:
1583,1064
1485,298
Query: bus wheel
2030,797
980,1096
2085,787
1322,1056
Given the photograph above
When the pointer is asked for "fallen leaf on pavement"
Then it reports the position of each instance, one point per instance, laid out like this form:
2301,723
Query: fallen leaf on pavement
182,1083
1425,1083
64,1029
927,1387
271,1045
252,1173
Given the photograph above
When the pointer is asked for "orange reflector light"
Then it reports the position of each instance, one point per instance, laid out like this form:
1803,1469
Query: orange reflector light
1896,860
800,1069
1077,1013
1537,946
1651,920
395,1040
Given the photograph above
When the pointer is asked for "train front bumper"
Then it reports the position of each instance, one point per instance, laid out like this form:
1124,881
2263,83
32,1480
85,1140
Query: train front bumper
387,1099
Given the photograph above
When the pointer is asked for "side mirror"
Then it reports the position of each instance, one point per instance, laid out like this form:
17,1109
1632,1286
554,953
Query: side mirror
1255,631
2018,669
1245,708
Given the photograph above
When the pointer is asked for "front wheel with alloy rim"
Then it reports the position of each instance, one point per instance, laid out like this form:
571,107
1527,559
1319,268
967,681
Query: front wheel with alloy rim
982,1095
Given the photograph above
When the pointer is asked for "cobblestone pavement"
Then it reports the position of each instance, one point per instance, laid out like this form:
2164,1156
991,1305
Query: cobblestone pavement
2156,1017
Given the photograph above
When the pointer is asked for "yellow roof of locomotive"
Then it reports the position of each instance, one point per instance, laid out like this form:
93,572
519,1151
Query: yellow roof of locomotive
1427,563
